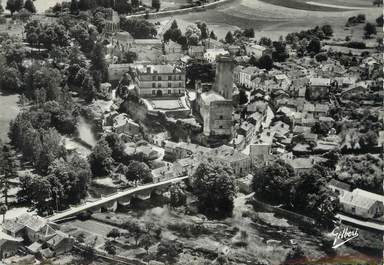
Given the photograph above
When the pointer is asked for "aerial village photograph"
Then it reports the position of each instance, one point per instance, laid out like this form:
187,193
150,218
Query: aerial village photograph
191,132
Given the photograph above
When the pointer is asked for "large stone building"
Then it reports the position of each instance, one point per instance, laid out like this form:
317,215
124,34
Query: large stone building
215,106
216,112
152,80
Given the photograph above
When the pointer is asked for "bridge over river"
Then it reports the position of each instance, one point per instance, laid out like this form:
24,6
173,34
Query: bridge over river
113,199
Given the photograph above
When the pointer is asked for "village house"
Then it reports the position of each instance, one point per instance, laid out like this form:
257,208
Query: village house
300,165
8,247
123,124
211,54
318,88
212,44
246,129
163,173
153,80
362,203
246,75
257,50
34,229
236,73
172,47
338,187
196,51
239,162
282,80
260,153
148,43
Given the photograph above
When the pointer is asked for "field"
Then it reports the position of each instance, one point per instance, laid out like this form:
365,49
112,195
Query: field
8,111
270,18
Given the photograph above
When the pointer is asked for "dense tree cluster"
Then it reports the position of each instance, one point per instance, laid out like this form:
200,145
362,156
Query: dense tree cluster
279,53
138,28
46,35
277,183
364,172
193,35
8,169
14,5
65,183
214,186
199,71
108,151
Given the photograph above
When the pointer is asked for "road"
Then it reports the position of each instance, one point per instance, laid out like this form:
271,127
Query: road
111,198
368,224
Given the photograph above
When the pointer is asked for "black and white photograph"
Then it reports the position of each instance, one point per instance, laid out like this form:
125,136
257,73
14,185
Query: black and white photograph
191,132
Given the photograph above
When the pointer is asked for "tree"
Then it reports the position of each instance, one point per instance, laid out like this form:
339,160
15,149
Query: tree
249,33
369,29
321,128
229,38
314,46
8,171
212,35
327,29
3,210
253,60
361,18
129,57
51,149
265,62
98,62
30,6
311,195
203,29
243,98
100,159
169,249
114,233
369,139
264,41
74,8
174,25
109,247
139,172
173,34
10,79
279,53
43,77
321,57
135,230
272,183
40,196
178,196
14,5
193,34
379,21
295,255
146,241
138,28
156,4
214,187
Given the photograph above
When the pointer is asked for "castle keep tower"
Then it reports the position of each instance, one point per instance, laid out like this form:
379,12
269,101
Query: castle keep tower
224,76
